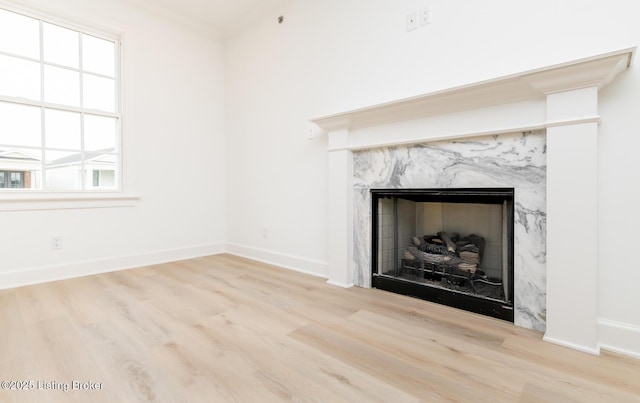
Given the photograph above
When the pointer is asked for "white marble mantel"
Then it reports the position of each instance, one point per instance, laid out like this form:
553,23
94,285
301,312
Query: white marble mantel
561,99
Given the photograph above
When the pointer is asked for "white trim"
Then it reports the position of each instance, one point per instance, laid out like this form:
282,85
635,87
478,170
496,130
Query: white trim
340,218
619,337
54,17
572,206
485,131
174,15
58,107
300,264
452,136
573,121
341,285
24,201
44,274
593,351
593,71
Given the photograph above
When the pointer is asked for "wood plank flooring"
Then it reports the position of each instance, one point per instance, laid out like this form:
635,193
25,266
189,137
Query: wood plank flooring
227,329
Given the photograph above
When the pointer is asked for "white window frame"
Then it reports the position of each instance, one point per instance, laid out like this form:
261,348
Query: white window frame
89,197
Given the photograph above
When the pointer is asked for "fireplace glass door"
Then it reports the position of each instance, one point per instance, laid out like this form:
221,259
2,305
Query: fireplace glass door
453,246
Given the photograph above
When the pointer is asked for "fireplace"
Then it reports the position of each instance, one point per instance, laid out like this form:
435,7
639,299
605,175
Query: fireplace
513,165
451,246
528,122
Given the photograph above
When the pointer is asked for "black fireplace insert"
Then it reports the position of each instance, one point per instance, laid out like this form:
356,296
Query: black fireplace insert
450,246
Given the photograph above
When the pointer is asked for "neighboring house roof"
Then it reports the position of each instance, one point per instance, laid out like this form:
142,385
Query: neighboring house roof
94,156
19,155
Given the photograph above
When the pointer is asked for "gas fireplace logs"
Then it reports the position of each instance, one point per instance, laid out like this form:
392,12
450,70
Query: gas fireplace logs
447,251
446,239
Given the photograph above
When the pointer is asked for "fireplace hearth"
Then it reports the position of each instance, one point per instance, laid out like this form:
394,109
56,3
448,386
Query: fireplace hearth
450,246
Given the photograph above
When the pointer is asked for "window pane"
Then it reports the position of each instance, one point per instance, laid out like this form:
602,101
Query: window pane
61,86
99,93
99,133
19,35
20,125
20,168
103,178
98,55
101,170
62,129
16,180
19,78
61,45
64,170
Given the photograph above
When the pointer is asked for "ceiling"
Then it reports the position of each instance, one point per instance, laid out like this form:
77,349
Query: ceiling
223,17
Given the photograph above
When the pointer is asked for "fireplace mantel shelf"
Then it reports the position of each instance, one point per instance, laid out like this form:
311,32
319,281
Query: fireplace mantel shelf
595,71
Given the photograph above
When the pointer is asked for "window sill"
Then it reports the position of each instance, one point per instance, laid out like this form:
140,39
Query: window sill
65,201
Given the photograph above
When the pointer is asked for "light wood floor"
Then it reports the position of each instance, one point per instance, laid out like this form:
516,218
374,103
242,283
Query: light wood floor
221,328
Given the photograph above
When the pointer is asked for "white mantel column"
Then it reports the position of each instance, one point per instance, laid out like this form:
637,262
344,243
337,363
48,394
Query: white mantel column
572,215
340,210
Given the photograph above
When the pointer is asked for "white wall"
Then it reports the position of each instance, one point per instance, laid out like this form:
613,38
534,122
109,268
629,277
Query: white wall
174,155
337,55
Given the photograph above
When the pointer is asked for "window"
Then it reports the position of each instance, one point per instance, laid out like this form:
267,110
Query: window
103,177
17,179
59,106
14,179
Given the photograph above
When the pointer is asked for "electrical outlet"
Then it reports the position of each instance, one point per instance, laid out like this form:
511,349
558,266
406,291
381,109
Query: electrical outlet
412,21
425,16
265,233
311,131
56,242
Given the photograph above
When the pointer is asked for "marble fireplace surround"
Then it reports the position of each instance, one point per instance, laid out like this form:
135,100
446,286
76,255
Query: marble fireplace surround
517,120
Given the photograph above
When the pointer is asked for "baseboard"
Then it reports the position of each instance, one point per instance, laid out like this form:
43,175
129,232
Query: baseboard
341,285
619,337
296,263
43,274
578,347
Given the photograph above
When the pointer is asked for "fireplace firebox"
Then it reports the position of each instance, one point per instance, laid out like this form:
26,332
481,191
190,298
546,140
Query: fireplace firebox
450,246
